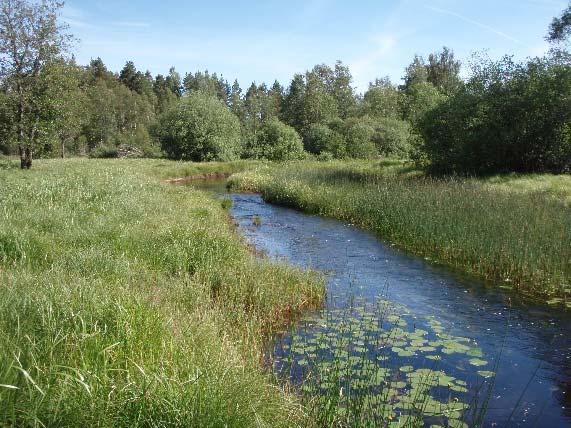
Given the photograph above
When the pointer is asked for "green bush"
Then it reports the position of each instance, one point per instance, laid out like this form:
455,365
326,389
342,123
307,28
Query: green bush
276,141
104,152
509,117
199,128
393,137
359,134
322,139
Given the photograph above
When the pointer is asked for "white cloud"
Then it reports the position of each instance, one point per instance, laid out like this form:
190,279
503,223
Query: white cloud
365,66
476,23
131,24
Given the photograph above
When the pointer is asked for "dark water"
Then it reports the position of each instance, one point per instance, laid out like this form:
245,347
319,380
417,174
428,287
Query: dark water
527,344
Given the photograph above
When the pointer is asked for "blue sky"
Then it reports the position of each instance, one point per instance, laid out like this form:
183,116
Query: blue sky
266,40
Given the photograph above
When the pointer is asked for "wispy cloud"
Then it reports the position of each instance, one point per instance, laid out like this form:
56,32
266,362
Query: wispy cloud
383,45
477,24
131,24
76,18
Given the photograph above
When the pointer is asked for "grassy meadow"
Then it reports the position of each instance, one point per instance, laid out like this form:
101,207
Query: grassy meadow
130,302
515,230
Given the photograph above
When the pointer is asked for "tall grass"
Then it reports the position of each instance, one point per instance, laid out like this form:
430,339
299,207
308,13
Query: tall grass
127,302
503,229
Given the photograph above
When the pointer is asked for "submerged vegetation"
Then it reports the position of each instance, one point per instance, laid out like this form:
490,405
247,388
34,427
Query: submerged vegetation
513,230
127,302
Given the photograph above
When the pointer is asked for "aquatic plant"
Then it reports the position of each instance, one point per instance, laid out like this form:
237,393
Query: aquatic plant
380,366
515,231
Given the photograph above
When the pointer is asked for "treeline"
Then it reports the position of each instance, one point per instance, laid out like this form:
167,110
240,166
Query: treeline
93,111
505,117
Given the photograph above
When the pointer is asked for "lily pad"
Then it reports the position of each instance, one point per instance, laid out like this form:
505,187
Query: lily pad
478,362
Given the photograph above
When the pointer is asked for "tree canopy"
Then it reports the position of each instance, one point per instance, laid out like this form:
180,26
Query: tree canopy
200,128
506,116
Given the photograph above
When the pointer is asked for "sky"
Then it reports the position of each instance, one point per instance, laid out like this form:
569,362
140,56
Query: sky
266,40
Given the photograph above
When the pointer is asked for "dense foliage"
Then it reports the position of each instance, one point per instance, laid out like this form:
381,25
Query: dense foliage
508,117
505,116
276,141
200,128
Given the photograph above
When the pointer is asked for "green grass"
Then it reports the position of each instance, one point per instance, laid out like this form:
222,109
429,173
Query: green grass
514,230
127,302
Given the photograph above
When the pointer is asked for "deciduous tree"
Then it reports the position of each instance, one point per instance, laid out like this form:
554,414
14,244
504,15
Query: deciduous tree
30,38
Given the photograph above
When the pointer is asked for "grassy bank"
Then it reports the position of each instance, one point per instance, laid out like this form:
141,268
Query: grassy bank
514,229
128,302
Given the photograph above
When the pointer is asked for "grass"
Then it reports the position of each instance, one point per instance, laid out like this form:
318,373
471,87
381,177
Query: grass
131,303
513,230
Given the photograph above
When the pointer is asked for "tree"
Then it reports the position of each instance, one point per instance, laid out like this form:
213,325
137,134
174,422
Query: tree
392,137
236,102
7,135
254,108
166,98
98,70
293,103
207,83
174,83
443,71
62,102
342,91
129,76
415,73
359,133
382,99
30,38
200,128
560,28
508,118
319,105
276,141
275,100
419,99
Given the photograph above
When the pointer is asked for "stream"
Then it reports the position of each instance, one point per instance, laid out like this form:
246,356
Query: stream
489,345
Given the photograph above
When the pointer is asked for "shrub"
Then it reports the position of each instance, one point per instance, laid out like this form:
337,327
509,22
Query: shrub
509,117
322,139
199,128
359,134
393,137
104,152
419,99
276,141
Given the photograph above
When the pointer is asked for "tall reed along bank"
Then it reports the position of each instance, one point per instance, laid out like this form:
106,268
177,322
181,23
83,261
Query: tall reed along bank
129,302
512,230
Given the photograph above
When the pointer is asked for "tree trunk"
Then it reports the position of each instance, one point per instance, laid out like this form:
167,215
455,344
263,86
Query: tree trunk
22,157
28,153
25,152
62,149
26,157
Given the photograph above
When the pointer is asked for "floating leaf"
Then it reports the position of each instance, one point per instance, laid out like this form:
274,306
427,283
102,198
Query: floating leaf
478,362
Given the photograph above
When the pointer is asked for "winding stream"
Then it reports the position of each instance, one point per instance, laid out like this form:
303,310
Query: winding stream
468,329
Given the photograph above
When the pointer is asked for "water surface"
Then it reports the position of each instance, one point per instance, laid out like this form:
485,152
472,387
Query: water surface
527,344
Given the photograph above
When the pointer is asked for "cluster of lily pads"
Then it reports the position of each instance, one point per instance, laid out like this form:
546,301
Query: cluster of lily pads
382,367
